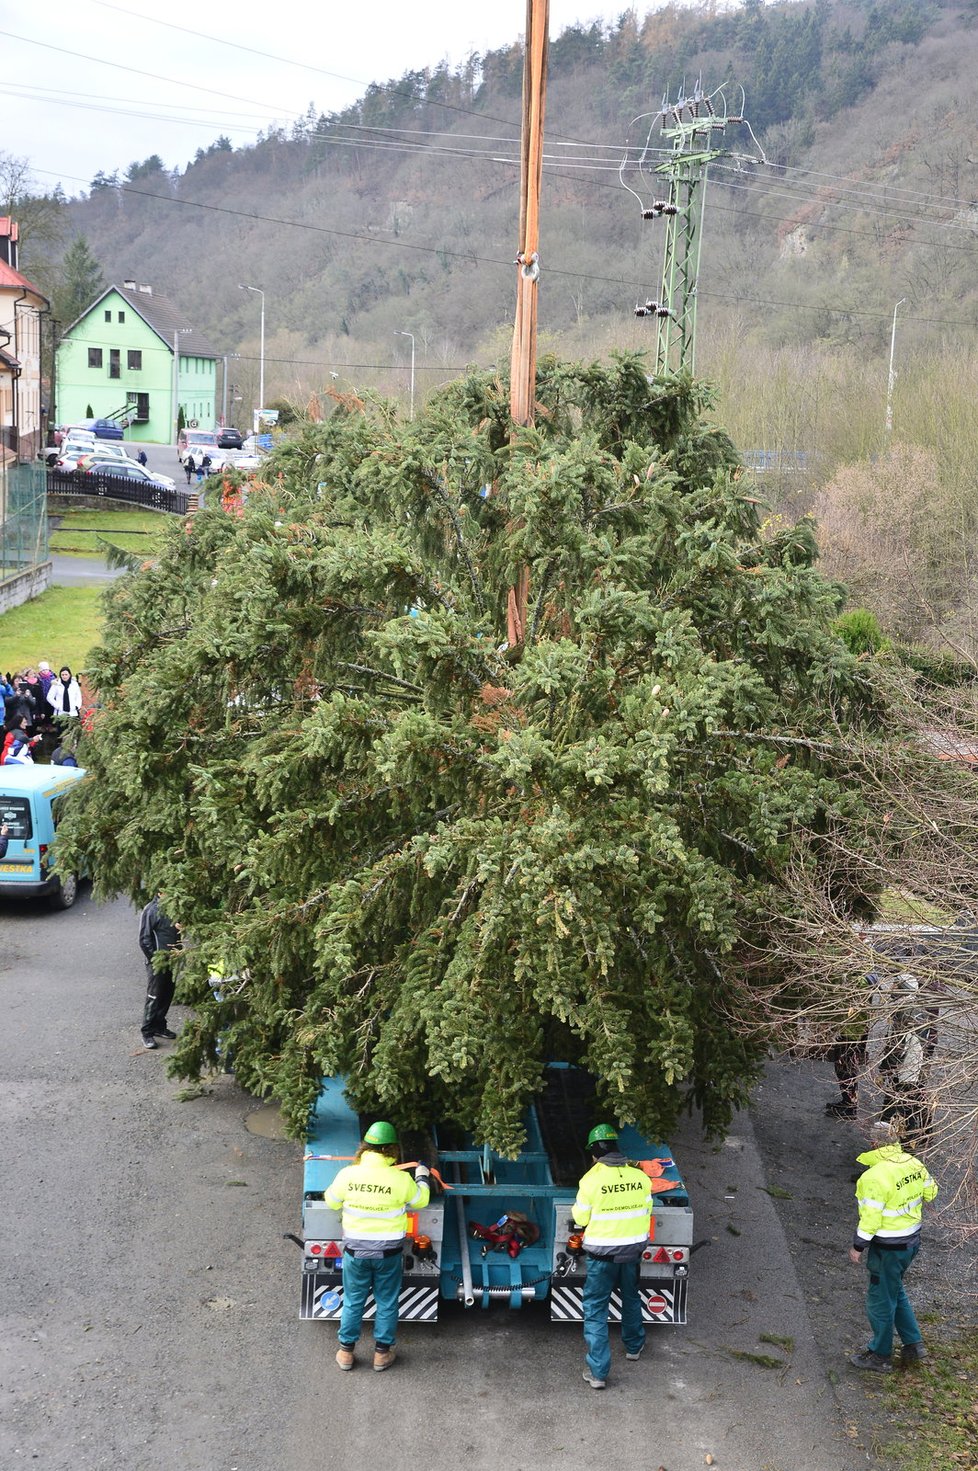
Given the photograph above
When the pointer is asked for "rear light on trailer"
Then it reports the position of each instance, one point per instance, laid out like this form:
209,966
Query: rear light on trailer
679,1256
422,1242
316,1248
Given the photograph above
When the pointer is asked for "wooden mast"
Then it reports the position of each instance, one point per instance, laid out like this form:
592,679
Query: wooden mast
524,360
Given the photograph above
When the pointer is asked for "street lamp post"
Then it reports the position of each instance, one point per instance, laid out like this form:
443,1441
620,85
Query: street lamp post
411,335
176,380
261,358
892,376
224,387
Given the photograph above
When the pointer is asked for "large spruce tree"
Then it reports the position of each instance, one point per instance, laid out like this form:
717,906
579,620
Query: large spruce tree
435,862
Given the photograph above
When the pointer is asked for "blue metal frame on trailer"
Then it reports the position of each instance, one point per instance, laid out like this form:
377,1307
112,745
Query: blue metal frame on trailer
443,1259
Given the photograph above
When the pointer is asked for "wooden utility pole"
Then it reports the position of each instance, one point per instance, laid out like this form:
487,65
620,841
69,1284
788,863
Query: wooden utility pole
524,361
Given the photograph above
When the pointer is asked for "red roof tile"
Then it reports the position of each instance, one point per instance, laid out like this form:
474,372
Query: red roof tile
10,277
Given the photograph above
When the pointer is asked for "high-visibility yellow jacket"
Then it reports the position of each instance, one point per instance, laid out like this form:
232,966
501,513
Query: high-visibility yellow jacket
614,1204
891,1194
375,1196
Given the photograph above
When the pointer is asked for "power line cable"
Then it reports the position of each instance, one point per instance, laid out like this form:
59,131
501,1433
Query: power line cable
471,257
137,71
303,65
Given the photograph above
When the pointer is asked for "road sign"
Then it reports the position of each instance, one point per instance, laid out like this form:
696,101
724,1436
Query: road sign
192,424
656,1303
264,441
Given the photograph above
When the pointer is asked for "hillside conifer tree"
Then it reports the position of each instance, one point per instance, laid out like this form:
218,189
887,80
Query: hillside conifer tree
81,282
431,862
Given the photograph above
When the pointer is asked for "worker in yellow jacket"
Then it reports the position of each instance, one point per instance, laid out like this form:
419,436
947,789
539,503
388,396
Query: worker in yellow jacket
891,1193
374,1196
614,1205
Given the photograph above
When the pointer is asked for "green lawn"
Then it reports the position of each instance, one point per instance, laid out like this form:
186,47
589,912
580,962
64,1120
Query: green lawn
936,1406
62,625
80,531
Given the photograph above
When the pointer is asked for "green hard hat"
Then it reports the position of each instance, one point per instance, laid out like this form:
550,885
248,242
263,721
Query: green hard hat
380,1133
601,1132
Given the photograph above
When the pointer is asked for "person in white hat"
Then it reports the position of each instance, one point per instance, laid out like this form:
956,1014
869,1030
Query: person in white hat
46,676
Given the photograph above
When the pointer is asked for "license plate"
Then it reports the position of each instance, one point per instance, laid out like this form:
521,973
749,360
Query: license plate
16,868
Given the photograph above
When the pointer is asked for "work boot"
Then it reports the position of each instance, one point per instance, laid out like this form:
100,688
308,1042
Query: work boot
594,1382
868,1360
841,1108
633,1356
914,1353
383,1358
344,1357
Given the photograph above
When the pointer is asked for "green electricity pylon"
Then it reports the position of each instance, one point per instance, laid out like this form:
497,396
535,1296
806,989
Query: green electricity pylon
689,127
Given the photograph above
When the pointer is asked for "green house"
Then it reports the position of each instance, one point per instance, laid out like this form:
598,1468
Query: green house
133,357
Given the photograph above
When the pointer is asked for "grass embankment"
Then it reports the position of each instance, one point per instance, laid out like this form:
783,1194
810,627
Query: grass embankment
62,625
936,1406
80,531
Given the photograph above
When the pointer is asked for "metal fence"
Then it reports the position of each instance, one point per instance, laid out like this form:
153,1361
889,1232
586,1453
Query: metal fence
23,518
114,488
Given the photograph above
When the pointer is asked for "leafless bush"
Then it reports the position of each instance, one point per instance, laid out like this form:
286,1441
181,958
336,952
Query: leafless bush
823,973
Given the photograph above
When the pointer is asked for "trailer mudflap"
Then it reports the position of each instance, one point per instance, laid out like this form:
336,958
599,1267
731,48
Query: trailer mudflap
662,1302
322,1299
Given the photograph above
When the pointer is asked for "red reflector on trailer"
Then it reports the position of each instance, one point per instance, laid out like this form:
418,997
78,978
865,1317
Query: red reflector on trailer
661,1255
332,1249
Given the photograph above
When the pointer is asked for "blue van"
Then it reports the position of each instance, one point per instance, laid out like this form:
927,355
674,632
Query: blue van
27,798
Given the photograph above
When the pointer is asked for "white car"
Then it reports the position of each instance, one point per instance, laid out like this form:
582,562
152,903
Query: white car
71,452
239,459
105,450
128,470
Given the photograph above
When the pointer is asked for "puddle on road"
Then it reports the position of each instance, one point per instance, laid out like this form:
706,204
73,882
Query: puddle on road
267,1122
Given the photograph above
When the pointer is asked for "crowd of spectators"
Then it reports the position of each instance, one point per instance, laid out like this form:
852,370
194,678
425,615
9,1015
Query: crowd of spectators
36,705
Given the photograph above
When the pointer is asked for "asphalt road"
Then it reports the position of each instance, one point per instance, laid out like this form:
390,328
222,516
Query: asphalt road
149,1304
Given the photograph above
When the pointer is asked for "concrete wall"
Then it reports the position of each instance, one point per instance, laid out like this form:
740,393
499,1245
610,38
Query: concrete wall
24,585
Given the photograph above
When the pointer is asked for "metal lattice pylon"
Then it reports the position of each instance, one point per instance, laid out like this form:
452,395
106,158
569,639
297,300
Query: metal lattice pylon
688,126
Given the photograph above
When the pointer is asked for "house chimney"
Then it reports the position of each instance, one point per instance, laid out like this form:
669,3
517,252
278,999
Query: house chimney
129,285
9,232
146,290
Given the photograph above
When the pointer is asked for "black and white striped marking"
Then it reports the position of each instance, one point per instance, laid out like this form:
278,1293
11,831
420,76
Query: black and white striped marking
322,1299
668,1303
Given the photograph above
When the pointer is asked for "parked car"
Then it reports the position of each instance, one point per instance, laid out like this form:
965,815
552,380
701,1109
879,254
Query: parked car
229,437
197,442
105,451
29,796
101,428
243,461
72,450
129,471
51,452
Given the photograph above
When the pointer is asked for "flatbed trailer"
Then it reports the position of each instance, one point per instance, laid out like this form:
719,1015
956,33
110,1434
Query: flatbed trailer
444,1261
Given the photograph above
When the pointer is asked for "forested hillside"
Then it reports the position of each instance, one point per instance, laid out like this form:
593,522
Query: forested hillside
853,189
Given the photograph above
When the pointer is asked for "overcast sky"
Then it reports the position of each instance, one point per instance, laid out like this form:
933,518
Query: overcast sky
144,103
